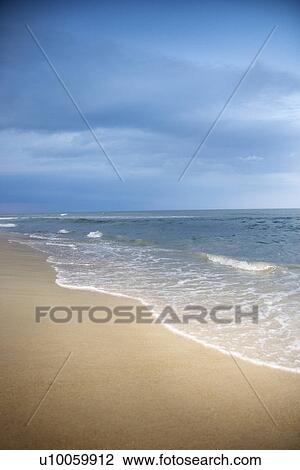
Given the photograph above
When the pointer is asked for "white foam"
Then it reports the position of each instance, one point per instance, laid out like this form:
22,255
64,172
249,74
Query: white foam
223,350
239,264
65,284
7,225
62,283
96,234
39,237
68,245
9,218
63,214
63,231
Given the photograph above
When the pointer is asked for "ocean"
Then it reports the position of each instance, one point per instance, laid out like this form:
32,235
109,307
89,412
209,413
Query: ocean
203,258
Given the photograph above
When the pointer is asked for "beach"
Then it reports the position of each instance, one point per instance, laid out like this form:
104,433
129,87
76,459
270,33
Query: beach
124,386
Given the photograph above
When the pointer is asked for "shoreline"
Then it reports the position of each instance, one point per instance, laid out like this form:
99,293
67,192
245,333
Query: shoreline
131,386
175,331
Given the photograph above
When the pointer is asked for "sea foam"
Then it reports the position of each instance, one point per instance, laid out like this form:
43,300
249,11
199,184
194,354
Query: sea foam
238,264
96,234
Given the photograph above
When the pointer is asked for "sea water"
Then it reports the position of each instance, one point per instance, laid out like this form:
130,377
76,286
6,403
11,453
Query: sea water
180,258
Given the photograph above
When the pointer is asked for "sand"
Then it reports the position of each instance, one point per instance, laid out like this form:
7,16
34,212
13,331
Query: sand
116,386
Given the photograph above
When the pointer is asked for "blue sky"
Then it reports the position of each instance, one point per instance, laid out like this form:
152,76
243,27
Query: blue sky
150,77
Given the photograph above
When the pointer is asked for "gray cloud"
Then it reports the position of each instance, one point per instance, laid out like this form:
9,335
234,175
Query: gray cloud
150,107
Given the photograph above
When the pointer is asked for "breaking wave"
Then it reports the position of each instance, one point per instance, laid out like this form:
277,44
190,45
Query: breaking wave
96,234
238,264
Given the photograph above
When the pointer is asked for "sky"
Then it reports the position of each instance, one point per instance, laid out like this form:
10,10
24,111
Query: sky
150,77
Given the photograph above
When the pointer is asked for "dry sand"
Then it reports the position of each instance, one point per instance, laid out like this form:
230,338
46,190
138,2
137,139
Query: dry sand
124,386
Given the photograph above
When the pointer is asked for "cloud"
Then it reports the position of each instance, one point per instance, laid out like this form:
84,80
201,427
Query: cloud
149,111
150,90
134,151
121,85
269,108
251,158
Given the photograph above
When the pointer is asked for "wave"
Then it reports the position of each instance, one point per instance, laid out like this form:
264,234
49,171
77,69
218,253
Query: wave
63,214
63,231
39,237
9,218
96,234
7,225
47,236
80,220
67,245
238,264
80,278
